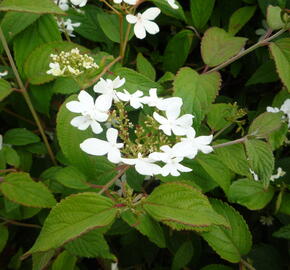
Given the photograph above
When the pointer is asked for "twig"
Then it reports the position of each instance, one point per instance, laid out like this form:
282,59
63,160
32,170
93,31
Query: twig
241,140
13,222
26,96
19,116
247,265
8,170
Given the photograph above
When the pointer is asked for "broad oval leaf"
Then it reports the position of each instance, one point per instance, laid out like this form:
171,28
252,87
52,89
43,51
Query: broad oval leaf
169,11
64,261
274,19
200,12
5,89
145,67
20,188
217,46
250,193
182,207
72,217
231,244
20,136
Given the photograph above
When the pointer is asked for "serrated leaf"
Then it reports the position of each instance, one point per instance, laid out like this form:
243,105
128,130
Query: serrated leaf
3,236
250,193
261,159
169,11
181,43
65,85
231,244
11,156
147,226
239,18
37,63
64,261
145,67
90,245
217,46
197,91
181,206
72,217
20,136
265,124
280,50
274,19
182,256
38,7
200,12
283,232
21,189
40,260
5,89
70,138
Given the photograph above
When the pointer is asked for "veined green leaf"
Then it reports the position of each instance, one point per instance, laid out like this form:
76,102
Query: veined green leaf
145,67
274,19
169,11
64,261
200,12
5,89
20,136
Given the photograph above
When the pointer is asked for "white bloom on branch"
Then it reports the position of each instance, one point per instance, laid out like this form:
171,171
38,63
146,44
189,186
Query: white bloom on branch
280,173
80,3
255,176
144,166
63,4
55,69
189,146
92,112
172,4
99,147
68,26
273,109
171,159
173,123
285,108
135,99
144,22
129,2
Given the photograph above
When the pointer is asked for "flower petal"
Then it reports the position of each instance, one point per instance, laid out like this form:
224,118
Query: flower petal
75,106
118,82
151,13
172,113
112,135
151,27
104,102
139,30
114,155
185,120
96,127
160,119
86,99
95,147
131,19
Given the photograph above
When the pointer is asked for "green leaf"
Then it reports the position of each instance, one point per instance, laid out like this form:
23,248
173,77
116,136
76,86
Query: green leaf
64,261
70,138
90,245
181,43
136,81
200,12
283,232
264,74
261,159
197,91
218,46
72,178
5,89
21,189
278,137
72,217
250,193
37,63
40,260
38,7
181,206
43,30
216,267
4,234
147,226
11,156
274,19
285,204
20,136
230,244
110,25
234,157
169,11
280,50
239,18
65,85
216,169
145,67
265,124
182,256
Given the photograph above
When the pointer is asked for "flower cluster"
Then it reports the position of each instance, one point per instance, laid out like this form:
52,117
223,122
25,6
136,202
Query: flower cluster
280,173
70,63
156,147
67,26
285,108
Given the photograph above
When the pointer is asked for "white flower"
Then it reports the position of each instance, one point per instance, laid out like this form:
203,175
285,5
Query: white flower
172,4
68,25
256,177
134,99
80,3
273,109
171,157
144,166
143,22
189,146
92,112
4,73
55,69
1,142
285,108
114,266
130,2
99,147
280,173
63,4
108,87
173,123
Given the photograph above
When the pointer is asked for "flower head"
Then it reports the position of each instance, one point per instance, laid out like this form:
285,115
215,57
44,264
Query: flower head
68,25
144,22
99,147
135,99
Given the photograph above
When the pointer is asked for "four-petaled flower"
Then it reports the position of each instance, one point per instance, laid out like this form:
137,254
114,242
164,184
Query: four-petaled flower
99,147
134,99
143,22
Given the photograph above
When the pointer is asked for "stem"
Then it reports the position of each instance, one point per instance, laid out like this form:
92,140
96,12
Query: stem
247,265
13,222
241,140
221,131
26,96
121,33
250,49
19,116
8,170
111,7
122,170
126,41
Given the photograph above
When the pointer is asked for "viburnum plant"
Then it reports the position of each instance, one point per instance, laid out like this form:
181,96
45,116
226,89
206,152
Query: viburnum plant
148,135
